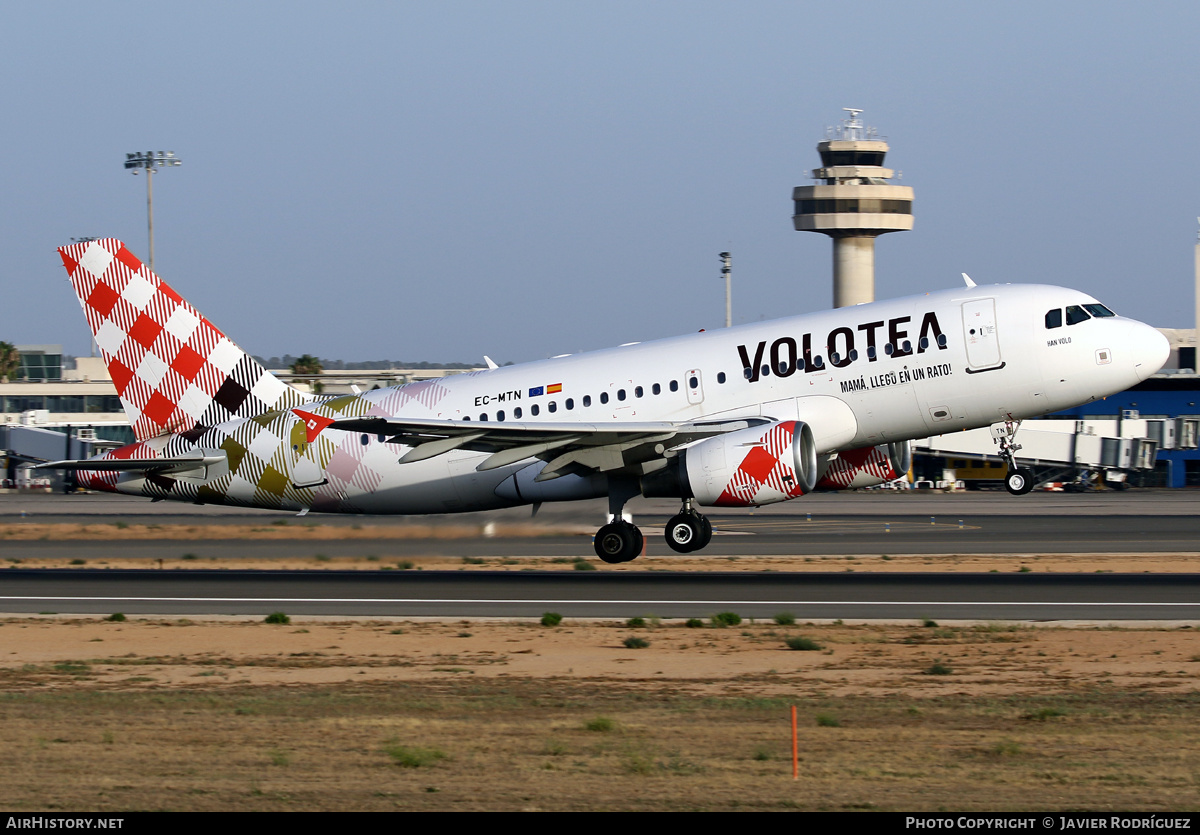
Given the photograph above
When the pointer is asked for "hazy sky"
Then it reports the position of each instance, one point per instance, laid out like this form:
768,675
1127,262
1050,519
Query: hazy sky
441,180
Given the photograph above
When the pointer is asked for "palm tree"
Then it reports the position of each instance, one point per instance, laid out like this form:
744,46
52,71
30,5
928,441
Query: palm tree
310,365
10,360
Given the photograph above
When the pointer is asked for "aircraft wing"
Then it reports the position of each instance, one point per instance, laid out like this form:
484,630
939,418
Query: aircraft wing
566,447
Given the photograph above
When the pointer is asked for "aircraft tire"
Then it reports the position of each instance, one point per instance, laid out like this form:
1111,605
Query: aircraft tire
1019,482
618,542
684,533
705,533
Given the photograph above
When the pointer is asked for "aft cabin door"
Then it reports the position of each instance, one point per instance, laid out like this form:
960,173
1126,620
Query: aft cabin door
979,332
306,467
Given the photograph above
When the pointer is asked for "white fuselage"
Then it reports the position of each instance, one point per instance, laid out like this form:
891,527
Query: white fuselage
974,356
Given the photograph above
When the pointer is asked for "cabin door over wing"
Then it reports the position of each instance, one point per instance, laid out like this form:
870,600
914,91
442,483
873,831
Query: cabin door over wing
979,332
694,385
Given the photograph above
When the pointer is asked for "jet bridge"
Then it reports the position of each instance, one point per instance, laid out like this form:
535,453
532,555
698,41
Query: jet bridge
31,445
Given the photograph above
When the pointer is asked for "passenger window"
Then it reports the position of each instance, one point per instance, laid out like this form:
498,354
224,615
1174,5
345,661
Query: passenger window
604,397
853,354
587,400
888,349
483,417
674,385
621,394
570,404
721,378
1054,318
517,413
656,388
693,382
534,409
941,340
637,392
870,352
1076,314
500,415
766,372
553,407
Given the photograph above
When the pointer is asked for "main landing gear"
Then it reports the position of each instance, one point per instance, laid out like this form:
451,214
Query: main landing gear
621,541
1019,481
688,531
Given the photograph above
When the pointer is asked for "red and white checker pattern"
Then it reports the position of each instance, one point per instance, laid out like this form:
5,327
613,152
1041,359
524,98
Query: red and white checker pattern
767,474
167,361
859,468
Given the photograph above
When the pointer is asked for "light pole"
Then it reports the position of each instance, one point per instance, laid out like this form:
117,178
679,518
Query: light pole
150,160
726,270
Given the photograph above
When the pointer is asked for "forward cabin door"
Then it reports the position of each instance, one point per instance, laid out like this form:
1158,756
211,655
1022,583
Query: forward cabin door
980,336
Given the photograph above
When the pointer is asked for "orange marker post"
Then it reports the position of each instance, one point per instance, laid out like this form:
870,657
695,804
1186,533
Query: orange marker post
795,748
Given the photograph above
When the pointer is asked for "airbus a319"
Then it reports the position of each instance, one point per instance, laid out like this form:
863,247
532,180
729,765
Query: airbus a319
738,417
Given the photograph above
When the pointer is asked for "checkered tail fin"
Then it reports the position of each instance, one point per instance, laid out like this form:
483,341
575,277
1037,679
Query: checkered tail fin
174,371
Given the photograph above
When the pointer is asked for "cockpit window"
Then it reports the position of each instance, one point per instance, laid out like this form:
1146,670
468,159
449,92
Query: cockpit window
1076,314
1054,318
1098,310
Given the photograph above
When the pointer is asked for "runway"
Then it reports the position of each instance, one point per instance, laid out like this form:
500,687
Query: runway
662,594
1140,522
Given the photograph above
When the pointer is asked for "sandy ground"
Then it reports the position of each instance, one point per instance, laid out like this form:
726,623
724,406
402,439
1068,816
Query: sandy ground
987,659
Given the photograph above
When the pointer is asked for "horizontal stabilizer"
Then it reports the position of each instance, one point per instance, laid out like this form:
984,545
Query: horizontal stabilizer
162,466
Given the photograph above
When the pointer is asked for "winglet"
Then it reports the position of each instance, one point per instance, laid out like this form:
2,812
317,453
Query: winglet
967,280
491,364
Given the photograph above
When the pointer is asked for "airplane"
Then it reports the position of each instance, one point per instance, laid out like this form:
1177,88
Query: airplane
738,417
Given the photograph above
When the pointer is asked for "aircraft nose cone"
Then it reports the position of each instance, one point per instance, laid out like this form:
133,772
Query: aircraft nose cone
1150,350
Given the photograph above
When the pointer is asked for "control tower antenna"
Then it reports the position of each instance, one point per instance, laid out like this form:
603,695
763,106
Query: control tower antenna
854,205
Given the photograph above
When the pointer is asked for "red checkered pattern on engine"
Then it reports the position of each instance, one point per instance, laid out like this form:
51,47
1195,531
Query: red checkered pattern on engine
173,370
870,461
767,473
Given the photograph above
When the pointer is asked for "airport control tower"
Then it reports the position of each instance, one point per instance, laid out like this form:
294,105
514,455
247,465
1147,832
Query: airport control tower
854,206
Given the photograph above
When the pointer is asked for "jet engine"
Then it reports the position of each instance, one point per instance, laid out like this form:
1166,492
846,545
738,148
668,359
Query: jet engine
753,466
867,466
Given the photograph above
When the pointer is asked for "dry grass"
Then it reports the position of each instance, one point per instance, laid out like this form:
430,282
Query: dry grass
208,715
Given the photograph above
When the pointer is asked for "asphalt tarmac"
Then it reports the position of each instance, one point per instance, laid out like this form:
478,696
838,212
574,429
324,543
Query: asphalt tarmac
1134,521
860,523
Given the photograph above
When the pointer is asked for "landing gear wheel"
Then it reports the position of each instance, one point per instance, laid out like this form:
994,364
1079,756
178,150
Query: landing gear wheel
687,532
684,533
1019,482
618,542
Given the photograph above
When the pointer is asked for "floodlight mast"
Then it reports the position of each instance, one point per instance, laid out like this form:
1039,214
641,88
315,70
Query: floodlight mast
149,160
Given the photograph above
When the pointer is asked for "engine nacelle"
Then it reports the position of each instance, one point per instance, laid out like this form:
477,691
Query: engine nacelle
753,466
867,466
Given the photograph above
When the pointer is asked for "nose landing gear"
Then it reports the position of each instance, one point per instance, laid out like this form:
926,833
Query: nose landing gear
1019,481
